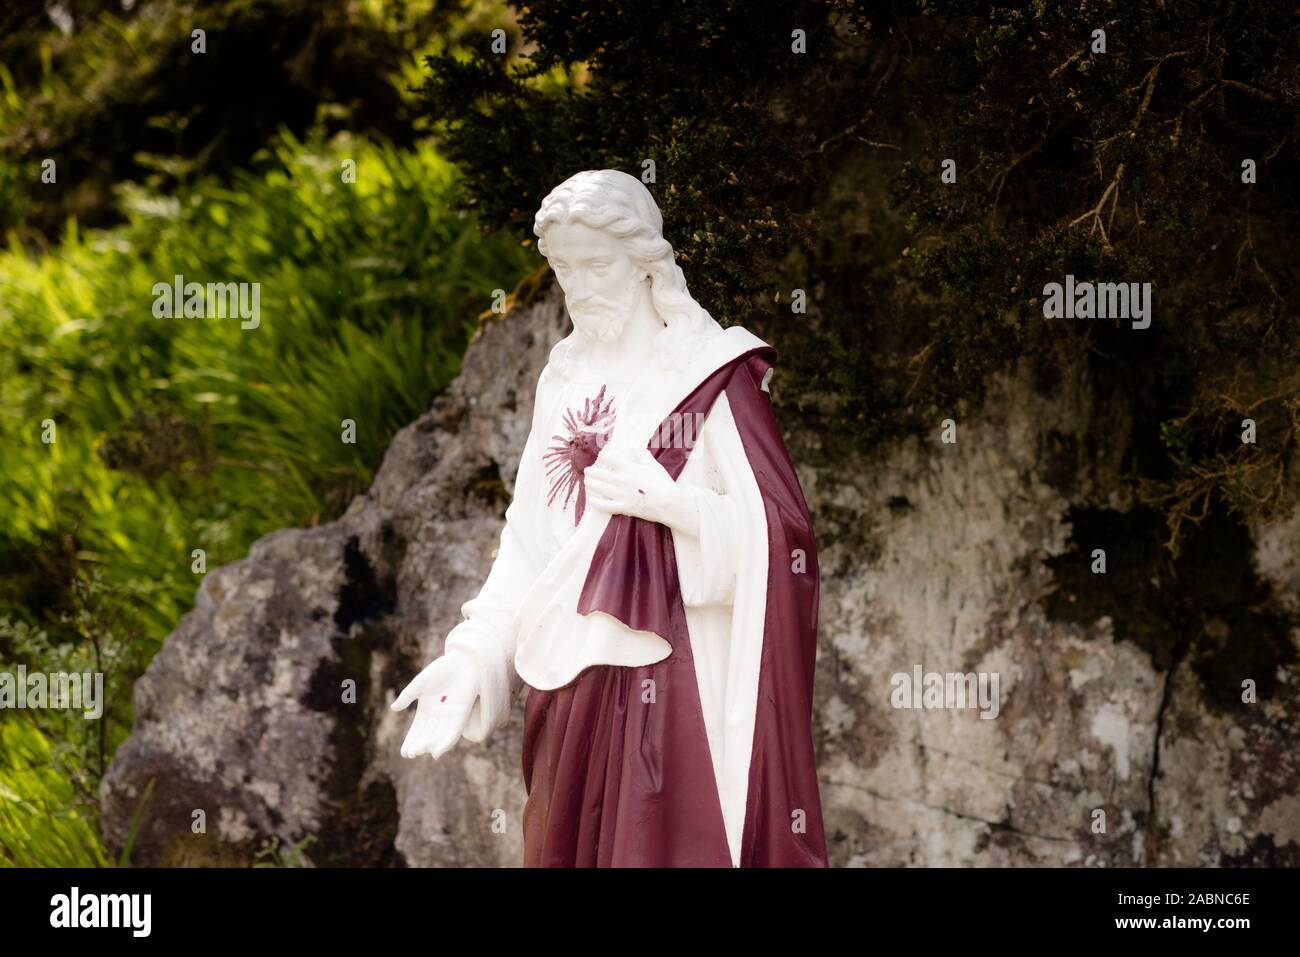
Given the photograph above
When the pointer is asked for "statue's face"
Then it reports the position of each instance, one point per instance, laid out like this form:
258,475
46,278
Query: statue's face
601,282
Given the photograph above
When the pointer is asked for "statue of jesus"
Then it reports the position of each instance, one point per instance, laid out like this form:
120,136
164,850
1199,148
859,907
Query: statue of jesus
656,582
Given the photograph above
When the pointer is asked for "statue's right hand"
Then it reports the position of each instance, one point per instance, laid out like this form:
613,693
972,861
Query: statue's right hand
445,690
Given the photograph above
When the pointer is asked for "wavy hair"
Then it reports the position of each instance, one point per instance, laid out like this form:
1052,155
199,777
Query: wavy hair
619,204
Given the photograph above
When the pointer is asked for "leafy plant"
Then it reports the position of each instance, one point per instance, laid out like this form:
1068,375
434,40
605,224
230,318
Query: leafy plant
41,824
132,440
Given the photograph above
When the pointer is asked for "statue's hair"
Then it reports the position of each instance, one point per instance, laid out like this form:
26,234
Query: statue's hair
613,201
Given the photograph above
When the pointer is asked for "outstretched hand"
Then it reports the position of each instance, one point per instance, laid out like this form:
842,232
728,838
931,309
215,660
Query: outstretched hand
445,690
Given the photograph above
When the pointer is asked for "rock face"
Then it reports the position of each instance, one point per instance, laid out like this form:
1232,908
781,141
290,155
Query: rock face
267,708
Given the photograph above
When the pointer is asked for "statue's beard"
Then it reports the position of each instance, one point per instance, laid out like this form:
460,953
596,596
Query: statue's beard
603,320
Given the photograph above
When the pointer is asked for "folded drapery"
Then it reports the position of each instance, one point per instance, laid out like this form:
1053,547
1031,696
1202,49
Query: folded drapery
737,602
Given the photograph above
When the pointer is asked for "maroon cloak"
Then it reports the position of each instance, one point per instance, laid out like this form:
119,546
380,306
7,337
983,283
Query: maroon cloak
612,782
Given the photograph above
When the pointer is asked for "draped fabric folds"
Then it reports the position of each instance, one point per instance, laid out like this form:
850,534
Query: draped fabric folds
618,763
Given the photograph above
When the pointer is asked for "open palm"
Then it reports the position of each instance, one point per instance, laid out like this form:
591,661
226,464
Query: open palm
445,692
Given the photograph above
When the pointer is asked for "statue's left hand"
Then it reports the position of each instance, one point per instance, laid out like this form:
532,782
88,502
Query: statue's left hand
626,481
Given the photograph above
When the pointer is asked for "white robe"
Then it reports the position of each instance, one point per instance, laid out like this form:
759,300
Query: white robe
523,626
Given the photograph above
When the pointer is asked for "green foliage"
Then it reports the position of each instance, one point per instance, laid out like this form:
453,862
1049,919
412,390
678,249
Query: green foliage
41,824
97,634
178,434
186,433
174,434
123,96
272,854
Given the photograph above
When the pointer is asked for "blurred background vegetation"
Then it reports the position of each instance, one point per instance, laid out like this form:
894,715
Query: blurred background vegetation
174,434
776,170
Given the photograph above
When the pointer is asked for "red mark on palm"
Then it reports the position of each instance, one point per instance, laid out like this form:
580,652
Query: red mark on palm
569,455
